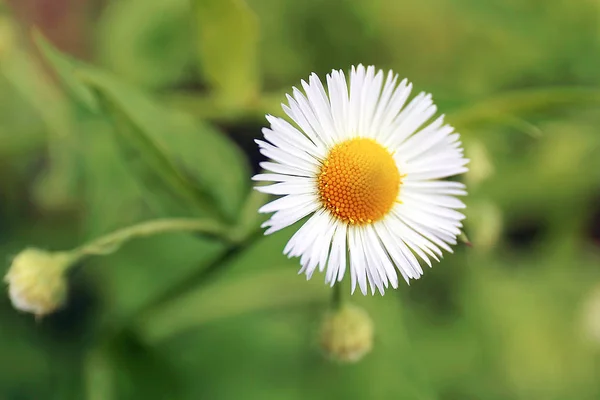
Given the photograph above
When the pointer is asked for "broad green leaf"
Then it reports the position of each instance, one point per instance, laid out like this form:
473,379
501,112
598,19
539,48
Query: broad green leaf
257,337
250,219
112,195
271,289
206,168
150,163
114,198
66,69
151,48
143,270
121,367
55,185
143,373
227,38
169,151
505,107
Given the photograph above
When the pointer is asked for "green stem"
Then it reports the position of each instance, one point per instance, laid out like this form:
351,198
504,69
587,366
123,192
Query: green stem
266,290
337,299
520,102
113,241
99,377
203,276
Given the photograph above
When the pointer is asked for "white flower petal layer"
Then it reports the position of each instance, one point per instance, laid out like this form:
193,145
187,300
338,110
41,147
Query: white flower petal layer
425,220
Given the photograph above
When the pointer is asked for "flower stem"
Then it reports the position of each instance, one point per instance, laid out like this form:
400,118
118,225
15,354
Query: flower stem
113,241
337,299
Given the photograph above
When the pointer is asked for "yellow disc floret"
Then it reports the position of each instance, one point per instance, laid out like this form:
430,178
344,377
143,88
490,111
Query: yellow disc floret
359,181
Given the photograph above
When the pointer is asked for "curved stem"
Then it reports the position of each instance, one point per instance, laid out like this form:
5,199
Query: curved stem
204,275
113,241
520,102
269,289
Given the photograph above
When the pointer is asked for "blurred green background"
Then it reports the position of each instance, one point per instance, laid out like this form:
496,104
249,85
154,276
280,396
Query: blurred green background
177,316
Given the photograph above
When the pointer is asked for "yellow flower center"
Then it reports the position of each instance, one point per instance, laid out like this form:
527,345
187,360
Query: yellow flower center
359,181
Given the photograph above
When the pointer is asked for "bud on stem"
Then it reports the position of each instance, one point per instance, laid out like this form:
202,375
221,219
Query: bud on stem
347,334
36,280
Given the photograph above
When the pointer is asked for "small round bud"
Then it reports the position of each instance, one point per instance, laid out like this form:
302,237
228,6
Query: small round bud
36,280
347,334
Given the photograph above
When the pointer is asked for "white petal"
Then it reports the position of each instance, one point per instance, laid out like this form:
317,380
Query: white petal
418,111
288,188
434,199
302,238
284,169
284,218
281,178
339,102
320,105
283,132
290,201
423,223
294,111
337,260
381,255
357,77
436,187
357,261
285,157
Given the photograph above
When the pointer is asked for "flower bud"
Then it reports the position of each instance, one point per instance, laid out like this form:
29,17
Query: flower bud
347,334
36,280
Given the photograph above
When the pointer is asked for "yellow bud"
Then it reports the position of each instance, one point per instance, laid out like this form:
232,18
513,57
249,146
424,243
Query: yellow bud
347,334
36,280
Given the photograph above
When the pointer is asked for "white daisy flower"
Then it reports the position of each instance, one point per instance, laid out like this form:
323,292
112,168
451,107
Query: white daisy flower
367,170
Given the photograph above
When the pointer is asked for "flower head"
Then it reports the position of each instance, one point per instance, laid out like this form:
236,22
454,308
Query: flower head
36,281
367,170
347,334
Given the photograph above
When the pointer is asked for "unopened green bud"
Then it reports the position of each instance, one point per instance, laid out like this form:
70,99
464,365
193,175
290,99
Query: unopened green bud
347,334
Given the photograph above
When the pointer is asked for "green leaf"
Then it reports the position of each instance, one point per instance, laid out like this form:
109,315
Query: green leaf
195,160
114,199
99,375
521,102
227,33
108,183
250,219
55,185
66,67
150,162
171,153
121,367
151,48
274,288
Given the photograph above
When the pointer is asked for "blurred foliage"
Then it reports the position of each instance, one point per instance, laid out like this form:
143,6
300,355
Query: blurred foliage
157,119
